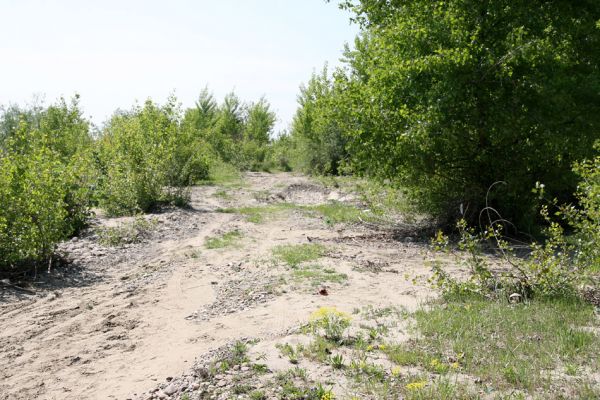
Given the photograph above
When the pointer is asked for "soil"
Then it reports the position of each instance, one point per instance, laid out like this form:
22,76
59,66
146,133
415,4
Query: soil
139,320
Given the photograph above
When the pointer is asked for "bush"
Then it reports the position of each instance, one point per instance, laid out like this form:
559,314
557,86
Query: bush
558,267
46,180
147,159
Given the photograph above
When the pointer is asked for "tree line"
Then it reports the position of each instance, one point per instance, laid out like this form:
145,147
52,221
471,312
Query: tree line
55,166
465,106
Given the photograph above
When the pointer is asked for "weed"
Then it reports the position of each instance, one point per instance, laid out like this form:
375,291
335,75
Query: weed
291,352
239,352
337,212
258,215
331,322
320,349
223,194
362,370
241,389
258,395
260,368
337,361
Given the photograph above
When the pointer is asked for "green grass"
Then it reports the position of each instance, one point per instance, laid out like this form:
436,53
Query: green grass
506,346
318,275
259,215
333,213
295,254
222,174
226,240
223,194
381,199
337,212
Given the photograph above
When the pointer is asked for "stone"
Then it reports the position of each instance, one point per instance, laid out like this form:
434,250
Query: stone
171,389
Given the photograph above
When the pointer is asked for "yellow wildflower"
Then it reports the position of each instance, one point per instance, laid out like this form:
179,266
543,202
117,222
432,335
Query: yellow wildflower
418,385
328,396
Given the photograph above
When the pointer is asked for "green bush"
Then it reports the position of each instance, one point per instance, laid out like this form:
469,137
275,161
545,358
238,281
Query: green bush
46,179
565,262
148,158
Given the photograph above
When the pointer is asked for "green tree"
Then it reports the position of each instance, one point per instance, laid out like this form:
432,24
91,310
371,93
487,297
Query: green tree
202,117
259,122
448,97
148,158
46,181
316,131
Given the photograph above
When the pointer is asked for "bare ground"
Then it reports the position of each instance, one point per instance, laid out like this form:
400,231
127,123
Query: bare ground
119,321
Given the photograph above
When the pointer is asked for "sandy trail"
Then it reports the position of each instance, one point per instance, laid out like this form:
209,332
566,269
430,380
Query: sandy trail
144,312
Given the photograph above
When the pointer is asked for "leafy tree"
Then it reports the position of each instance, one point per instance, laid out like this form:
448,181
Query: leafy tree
147,158
318,137
447,97
259,122
46,180
204,115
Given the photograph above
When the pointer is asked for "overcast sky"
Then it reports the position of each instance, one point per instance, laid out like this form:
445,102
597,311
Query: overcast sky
115,52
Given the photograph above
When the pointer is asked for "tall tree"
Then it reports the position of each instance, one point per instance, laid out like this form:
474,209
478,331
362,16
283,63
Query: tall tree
448,97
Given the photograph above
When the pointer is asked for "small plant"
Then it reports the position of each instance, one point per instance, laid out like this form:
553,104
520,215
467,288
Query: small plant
317,275
258,395
260,368
239,352
337,361
332,322
241,389
416,385
290,352
362,370
337,212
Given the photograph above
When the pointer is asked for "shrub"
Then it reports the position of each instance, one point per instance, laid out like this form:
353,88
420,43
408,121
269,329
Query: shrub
46,180
556,267
147,158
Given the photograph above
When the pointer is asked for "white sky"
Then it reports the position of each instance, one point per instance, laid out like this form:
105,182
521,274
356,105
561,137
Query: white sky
115,52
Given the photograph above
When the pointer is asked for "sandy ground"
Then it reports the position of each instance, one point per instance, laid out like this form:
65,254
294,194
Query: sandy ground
119,320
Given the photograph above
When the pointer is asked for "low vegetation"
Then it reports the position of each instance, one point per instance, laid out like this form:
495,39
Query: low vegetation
126,232
227,239
295,254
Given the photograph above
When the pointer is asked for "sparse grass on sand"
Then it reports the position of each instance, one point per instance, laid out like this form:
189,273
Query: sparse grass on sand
318,275
260,214
133,231
225,240
295,254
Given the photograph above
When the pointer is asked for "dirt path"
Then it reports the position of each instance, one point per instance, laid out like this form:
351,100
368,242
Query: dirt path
123,319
